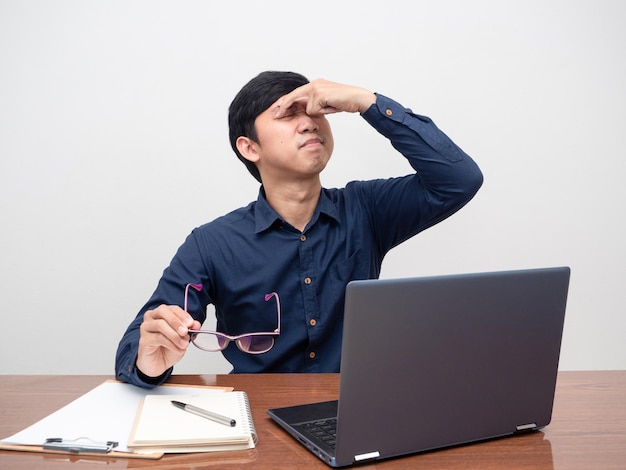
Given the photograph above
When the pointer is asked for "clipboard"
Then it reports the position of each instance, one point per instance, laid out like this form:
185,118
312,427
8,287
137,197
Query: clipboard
79,445
97,423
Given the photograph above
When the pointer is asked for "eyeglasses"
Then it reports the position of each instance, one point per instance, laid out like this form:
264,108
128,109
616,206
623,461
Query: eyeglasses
251,343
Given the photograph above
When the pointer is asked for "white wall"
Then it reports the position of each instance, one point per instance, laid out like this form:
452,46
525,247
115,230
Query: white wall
113,146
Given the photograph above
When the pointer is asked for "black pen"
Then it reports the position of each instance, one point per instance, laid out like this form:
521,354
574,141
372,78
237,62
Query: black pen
205,413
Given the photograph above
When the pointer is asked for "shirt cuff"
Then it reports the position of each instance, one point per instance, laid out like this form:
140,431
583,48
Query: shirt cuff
153,381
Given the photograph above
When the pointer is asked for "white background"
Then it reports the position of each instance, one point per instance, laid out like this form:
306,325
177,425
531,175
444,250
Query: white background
113,146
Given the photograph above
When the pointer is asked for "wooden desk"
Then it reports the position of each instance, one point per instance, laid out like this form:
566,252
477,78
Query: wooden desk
588,429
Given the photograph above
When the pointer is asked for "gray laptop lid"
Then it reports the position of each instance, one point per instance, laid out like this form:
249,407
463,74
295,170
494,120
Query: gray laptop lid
439,361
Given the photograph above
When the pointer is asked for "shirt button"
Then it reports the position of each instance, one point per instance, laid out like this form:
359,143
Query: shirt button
313,322
312,355
388,112
302,237
307,280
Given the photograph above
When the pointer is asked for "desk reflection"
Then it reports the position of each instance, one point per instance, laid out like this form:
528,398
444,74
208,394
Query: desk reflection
531,451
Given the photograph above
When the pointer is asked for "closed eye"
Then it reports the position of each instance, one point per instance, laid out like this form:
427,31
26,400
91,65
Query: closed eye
294,110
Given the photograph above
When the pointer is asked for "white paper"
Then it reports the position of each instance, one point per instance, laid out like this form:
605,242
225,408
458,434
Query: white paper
106,413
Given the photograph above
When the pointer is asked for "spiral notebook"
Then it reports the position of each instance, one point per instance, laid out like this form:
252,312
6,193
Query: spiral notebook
162,427
104,414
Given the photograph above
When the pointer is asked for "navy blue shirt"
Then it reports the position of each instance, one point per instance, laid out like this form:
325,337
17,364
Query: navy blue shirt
240,257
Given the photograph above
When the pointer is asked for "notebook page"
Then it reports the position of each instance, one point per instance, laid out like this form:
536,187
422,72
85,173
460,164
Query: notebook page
160,423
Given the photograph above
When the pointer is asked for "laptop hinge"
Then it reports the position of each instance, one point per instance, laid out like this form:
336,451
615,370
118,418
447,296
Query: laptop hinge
526,427
368,456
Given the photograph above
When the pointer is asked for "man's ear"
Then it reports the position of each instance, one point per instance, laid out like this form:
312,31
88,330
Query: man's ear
248,148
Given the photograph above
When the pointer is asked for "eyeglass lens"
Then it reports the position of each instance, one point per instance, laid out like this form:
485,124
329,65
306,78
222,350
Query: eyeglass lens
250,344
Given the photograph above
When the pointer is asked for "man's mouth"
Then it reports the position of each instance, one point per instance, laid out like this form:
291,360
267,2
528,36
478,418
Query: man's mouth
312,141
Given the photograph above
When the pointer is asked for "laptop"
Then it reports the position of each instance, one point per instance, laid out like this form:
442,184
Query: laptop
439,361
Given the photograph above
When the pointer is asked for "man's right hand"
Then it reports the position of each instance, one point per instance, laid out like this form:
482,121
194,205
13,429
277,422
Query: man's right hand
163,339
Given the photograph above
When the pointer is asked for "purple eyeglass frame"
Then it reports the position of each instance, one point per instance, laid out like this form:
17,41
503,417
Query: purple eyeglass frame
194,333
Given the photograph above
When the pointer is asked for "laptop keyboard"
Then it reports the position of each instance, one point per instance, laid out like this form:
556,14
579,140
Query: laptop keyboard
323,430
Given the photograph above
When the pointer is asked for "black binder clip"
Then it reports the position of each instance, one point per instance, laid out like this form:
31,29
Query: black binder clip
79,445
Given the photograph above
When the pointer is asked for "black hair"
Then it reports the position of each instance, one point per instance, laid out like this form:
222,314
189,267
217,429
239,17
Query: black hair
255,97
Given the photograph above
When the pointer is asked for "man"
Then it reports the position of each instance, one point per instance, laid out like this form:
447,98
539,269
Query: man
298,240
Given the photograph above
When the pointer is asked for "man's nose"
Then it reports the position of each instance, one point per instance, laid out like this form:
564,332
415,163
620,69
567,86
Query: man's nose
307,124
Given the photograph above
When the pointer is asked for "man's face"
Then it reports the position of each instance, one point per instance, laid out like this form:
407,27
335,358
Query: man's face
294,146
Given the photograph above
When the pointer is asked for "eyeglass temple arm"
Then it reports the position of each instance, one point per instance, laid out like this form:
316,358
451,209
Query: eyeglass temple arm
268,297
197,287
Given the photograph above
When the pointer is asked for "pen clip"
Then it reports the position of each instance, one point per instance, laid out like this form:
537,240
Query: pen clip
81,444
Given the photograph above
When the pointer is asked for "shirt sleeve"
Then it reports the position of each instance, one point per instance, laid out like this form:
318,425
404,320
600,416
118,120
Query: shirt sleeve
445,177
186,266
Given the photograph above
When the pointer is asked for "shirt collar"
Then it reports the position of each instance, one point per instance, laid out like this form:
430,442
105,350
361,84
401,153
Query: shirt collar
265,216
